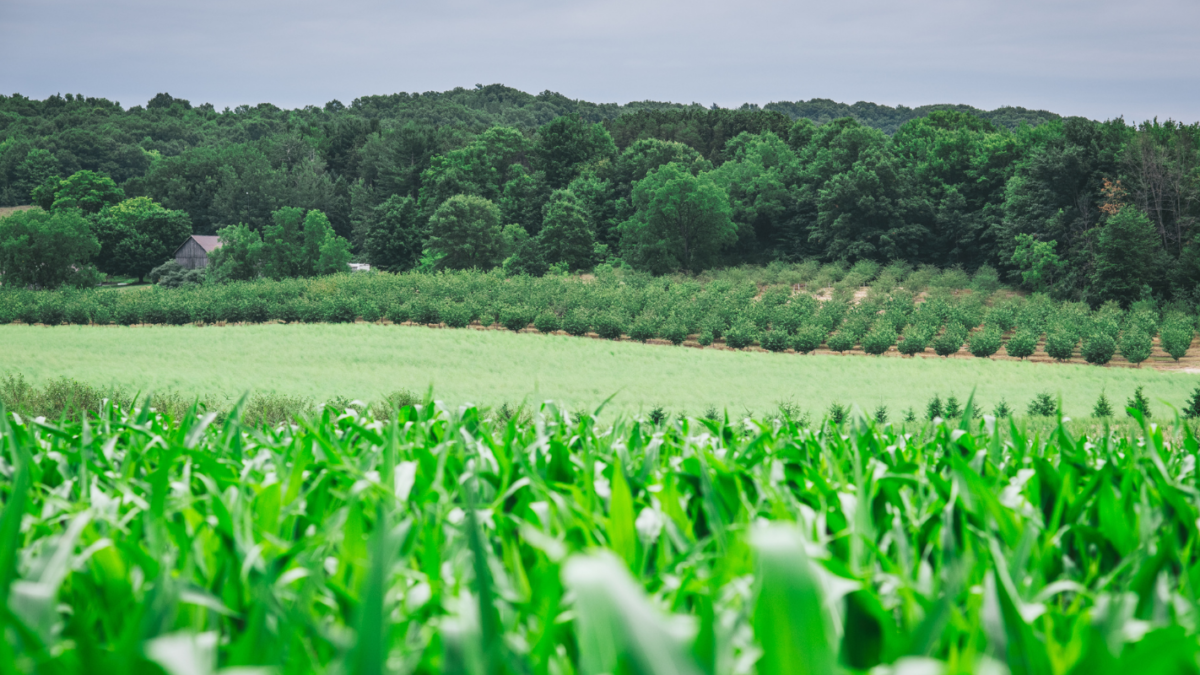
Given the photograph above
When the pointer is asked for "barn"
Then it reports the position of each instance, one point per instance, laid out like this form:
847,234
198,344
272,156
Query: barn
193,254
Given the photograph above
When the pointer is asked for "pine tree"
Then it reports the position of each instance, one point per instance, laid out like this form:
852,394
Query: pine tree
953,409
933,409
1140,403
1002,411
910,415
1192,409
1102,409
881,414
837,413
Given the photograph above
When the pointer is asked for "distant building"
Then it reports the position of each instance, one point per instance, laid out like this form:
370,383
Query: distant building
360,267
193,254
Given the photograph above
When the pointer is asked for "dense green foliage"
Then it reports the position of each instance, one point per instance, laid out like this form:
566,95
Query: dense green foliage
441,541
733,307
1052,203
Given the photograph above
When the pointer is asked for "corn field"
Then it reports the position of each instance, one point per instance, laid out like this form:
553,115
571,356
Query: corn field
440,542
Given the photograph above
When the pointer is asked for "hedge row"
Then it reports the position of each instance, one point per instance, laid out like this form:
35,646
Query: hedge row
619,304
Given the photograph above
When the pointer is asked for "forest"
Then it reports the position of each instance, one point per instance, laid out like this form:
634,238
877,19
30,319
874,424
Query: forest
496,178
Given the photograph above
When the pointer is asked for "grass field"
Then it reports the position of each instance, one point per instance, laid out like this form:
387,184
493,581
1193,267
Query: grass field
488,368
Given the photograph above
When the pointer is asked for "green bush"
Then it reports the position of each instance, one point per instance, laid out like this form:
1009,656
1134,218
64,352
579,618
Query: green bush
951,340
879,339
610,325
675,331
1099,348
456,314
515,317
983,344
1042,405
547,322
841,341
1060,344
576,322
775,340
1176,338
741,335
1022,344
705,338
426,311
398,313
644,327
1135,345
808,338
339,309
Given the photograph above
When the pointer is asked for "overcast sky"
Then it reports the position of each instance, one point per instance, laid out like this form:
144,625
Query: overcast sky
1096,58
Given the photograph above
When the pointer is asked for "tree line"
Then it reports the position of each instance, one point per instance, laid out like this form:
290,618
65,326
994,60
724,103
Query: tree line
491,177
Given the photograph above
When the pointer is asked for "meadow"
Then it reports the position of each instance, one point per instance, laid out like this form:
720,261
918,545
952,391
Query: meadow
494,367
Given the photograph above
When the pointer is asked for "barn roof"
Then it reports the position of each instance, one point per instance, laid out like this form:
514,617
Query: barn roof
208,242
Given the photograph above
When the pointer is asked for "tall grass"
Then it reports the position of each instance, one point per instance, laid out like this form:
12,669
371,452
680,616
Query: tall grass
439,541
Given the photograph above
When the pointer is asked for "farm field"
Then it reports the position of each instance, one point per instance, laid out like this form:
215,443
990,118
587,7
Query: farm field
369,361
439,542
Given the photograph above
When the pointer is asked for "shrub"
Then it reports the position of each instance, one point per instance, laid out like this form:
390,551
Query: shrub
1002,411
1022,344
775,340
1135,345
808,338
1176,338
398,313
426,311
953,408
879,339
916,339
741,335
610,325
1138,402
547,322
644,327
951,340
1102,409
881,414
576,322
515,317
367,310
456,314
1060,344
1042,405
841,341
1099,348
838,413
706,337
675,331
983,344
933,409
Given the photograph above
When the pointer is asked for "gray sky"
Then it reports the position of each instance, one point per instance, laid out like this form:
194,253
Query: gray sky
1097,58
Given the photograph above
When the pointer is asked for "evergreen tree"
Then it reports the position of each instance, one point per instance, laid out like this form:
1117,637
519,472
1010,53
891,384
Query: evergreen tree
1002,410
394,237
1140,403
933,409
1192,409
566,235
953,409
1102,409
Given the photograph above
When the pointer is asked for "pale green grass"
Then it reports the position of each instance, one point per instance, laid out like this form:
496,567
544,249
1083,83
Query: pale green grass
491,367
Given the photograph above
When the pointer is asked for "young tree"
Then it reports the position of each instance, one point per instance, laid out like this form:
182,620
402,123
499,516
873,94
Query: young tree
566,235
138,235
393,235
465,231
1125,252
1037,261
87,191
681,222
240,255
45,249
302,244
